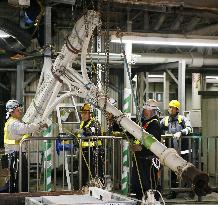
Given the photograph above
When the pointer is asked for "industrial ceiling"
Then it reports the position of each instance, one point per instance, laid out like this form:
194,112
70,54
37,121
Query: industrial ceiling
196,17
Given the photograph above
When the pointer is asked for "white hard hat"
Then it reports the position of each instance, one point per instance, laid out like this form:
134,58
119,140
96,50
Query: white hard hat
151,104
11,105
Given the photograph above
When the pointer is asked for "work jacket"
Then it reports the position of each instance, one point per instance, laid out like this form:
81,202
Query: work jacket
179,123
152,126
90,128
14,131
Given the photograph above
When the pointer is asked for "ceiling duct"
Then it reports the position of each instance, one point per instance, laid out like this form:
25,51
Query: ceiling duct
19,3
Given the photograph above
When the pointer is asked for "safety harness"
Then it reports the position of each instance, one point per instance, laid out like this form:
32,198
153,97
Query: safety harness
89,143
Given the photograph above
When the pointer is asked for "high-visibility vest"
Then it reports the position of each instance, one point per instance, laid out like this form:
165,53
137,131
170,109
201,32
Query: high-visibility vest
166,121
88,124
138,141
7,137
90,143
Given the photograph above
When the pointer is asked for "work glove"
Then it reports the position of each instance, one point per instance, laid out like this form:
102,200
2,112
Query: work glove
177,135
58,144
60,147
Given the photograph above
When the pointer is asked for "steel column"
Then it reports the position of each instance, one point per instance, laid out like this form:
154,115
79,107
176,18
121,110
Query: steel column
20,81
181,84
166,88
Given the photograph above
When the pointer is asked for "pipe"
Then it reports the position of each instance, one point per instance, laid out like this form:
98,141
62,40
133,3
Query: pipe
191,59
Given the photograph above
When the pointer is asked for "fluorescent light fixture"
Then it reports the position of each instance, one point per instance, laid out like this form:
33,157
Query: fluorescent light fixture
168,41
212,77
3,34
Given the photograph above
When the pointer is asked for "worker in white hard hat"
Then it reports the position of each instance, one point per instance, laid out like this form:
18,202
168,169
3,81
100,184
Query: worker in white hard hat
145,164
14,131
177,125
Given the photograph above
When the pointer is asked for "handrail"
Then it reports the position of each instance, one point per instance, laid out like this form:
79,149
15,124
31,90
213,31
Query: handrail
53,138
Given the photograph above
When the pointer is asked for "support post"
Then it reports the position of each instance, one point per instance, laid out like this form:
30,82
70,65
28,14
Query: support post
166,88
48,132
20,82
181,84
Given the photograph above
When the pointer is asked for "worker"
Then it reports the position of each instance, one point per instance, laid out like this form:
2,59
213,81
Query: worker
91,148
177,125
14,131
145,163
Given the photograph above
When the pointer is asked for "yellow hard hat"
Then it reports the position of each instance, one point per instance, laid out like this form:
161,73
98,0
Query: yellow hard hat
174,103
86,108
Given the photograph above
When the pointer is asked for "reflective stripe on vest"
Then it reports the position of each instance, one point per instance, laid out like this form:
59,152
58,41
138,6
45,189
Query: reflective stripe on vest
166,122
91,143
6,134
88,124
138,141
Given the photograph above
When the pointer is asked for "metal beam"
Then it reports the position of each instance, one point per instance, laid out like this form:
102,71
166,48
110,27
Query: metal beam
172,76
197,4
160,21
208,30
3,86
176,24
194,21
63,1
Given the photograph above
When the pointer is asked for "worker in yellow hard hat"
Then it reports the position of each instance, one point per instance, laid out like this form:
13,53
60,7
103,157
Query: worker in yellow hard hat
177,125
89,127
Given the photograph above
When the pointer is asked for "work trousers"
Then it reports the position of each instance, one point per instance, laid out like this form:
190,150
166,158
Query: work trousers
95,157
11,161
144,177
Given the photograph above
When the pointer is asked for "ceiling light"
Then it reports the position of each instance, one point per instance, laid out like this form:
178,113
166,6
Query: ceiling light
3,34
168,41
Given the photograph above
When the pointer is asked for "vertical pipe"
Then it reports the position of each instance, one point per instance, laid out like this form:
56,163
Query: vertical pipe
37,168
181,84
147,89
166,89
113,161
71,164
54,164
199,153
141,88
89,160
105,158
47,160
20,81
20,168
63,170
48,132
80,163
216,171
207,155
196,86
28,165
99,71
127,110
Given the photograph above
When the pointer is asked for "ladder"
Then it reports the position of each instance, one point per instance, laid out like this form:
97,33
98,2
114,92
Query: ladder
67,113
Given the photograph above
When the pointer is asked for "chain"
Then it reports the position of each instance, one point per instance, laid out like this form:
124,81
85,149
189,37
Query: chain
92,70
106,65
130,81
